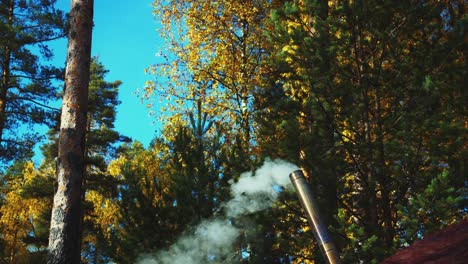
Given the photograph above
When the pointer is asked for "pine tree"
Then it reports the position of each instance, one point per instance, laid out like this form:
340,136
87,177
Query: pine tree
102,144
65,231
144,217
357,97
26,85
197,157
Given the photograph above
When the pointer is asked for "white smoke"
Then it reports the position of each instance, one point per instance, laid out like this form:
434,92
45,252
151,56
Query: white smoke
213,239
255,191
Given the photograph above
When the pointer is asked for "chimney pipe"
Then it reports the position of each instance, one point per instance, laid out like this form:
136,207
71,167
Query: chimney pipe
310,206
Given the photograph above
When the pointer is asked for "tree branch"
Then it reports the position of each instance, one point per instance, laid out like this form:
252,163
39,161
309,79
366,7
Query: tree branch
35,102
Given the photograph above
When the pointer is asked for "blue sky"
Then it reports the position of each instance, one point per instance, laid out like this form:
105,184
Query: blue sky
126,41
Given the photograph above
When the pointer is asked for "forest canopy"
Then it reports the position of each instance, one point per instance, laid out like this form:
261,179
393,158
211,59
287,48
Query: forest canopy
365,97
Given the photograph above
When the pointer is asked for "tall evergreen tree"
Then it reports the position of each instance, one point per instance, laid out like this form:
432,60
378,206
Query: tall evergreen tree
102,142
101,139
143,218
166,189
26,85
363,92
65,228
197,159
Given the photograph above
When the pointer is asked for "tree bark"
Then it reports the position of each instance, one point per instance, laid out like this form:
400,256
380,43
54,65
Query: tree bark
6,72
66,221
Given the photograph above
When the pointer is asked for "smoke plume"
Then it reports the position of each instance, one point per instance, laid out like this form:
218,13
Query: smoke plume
213,239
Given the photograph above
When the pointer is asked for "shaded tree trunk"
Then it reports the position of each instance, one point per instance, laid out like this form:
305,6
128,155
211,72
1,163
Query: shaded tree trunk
65,229
5,73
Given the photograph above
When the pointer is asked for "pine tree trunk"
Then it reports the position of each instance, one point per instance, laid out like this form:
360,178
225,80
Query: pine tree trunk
5,73
65,229
383,176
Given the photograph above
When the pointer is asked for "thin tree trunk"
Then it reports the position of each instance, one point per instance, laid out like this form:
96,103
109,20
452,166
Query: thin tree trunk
66,222
13,246
383,176
331,181
5,73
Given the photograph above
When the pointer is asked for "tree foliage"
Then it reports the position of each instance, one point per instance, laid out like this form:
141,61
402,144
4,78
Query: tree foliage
356,83
26,86
22,215
366,97
214,55
102,145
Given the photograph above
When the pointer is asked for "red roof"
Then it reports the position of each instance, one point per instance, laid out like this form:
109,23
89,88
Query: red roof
448,246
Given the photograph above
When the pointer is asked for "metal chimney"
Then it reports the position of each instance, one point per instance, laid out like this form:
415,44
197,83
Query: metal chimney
310,206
